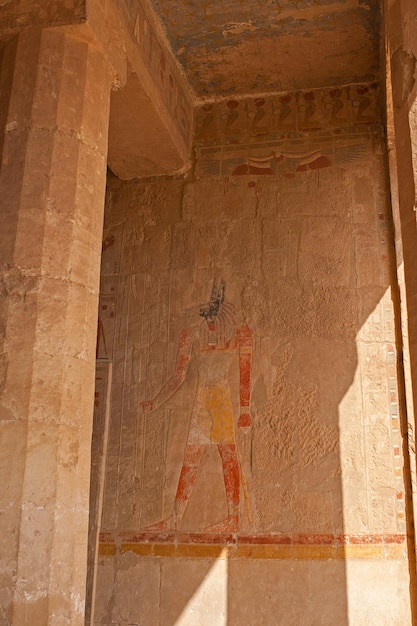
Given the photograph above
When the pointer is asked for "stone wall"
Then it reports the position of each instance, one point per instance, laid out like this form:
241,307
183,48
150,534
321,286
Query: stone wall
253,472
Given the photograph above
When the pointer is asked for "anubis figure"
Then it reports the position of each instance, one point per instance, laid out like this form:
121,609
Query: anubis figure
213,344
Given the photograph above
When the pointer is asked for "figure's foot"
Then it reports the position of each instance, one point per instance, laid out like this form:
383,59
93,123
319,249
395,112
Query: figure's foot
162,526
228,525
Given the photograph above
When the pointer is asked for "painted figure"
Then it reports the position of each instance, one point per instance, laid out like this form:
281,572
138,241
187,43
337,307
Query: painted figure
213,343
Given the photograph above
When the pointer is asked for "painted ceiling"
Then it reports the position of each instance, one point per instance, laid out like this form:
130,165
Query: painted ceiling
237,47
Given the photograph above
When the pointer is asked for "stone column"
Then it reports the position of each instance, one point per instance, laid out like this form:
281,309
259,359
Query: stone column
401,44
54,111
401,63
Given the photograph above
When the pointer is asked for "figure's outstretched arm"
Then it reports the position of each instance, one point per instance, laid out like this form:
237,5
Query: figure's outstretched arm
177,378
244,337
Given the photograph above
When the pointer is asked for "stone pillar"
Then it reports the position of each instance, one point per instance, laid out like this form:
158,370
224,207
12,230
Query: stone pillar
401,65
54,111
401,43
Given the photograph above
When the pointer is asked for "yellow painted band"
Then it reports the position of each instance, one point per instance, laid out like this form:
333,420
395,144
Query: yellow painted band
283,552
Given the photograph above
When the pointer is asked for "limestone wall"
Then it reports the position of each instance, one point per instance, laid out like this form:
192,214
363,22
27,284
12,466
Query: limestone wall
254,469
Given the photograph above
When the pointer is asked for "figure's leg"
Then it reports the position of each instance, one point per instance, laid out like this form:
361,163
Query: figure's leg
188,476
231,474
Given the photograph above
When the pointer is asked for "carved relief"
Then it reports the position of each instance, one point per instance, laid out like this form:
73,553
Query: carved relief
284,115
212,344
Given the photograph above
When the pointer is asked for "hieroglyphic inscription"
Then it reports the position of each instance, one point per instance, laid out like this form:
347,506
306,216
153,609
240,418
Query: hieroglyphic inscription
278,117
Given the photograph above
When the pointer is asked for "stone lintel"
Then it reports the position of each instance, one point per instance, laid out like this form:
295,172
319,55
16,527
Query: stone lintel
153,109
154,113
139,142
18,16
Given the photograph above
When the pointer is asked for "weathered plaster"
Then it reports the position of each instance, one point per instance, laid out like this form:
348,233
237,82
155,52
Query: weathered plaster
254,46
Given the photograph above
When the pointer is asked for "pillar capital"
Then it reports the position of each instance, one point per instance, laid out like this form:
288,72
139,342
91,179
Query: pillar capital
90,20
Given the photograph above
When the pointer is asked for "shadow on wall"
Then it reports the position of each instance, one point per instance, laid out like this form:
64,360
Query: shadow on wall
298,517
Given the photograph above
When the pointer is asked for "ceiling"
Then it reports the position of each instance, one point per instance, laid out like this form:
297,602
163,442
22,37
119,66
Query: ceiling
244,47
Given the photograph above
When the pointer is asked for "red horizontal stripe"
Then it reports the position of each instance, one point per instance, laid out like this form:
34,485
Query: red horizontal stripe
290,539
